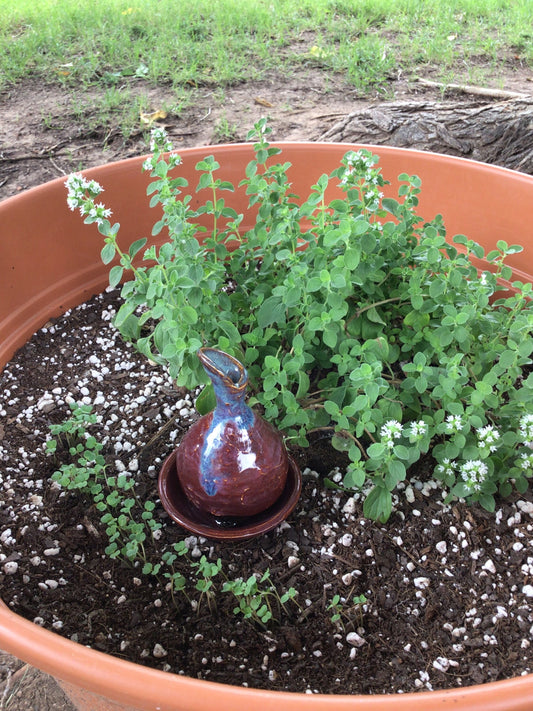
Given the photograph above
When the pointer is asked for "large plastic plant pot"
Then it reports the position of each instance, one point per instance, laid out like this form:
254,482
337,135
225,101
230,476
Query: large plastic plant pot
50,262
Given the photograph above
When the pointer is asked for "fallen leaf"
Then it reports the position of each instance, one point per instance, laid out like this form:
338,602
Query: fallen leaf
149,119
262,102
318,53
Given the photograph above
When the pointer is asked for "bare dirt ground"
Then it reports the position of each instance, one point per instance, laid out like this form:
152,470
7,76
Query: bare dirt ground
24,688
50,131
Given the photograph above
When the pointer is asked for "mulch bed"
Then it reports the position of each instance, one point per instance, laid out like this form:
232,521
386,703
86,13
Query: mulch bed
449,588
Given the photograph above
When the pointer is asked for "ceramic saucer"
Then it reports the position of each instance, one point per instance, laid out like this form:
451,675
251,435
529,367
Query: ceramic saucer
182,511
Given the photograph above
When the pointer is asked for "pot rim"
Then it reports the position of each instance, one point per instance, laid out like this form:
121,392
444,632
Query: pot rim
318,146
98,671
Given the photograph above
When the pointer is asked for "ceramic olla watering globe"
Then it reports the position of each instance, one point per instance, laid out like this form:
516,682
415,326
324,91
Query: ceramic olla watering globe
231,476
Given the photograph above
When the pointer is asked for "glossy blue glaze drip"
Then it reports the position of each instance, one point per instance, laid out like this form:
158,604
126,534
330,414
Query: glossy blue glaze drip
229,380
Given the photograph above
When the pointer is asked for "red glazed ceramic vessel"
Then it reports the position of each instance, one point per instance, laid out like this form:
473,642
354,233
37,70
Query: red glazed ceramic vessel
231,463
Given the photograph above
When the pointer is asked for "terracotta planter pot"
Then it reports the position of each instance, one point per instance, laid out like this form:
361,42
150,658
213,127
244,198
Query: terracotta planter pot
50,262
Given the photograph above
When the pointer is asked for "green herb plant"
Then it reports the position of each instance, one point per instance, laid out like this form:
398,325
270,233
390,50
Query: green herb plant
113,496
344,614
352,315
255,597
133,532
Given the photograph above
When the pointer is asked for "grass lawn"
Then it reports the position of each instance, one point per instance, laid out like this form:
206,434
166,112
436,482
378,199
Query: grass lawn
222,42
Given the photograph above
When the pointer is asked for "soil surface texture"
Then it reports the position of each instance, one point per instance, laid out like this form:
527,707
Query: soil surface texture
449,593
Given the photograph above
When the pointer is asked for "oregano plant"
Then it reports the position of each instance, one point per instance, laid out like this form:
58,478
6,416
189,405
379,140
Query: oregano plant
352,315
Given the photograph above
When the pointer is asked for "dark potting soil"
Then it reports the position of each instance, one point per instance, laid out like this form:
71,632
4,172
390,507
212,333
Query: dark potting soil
449,589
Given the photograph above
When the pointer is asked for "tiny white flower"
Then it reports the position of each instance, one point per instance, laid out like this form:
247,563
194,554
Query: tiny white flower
72,202
526,428
103,211
75,182
390,431
446,468
488,437
418,429
174,159
454,423
474,472
94,188
526,461
159,140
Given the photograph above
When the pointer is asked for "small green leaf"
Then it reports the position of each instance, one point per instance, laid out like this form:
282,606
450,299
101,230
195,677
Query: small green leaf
352,257
314,284
359,227
136,246
373,315
376,450
340,442
391,205
272,310
488,503
436,288
124,312
108,253
355,478
189,315
378,504
206,400
115,275
397,472
272,363
401,451
331,408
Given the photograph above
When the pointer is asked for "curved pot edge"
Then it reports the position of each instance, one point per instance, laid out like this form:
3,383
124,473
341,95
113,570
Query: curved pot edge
430,156
96,670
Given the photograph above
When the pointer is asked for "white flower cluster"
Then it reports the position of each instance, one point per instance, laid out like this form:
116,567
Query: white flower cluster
390,431
526,461
447,468
160,143
393,430
159,140
417,430
454,423
359,169
81,194
473,473
488,437
526,430
361,161
149,163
